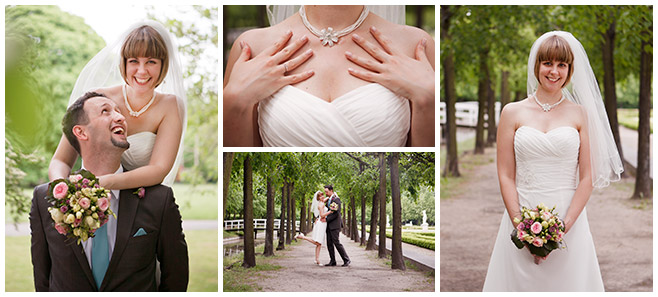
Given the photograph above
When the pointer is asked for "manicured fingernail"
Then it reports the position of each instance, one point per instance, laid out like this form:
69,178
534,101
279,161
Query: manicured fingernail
350,69
348,53
309,52
424,42
310,72
289,32
304,38
356,36
373,29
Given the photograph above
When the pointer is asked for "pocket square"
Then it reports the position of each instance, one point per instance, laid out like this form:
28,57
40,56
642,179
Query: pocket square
140,232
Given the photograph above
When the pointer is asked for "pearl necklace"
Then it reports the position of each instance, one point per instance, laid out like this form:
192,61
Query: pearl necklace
545,106
141,111
328,35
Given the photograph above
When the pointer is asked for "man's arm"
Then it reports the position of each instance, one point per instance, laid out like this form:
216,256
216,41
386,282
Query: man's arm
41,263
334,214
172,249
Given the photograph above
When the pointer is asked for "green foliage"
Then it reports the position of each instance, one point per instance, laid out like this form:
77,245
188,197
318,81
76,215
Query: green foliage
412,207
425,240
15,199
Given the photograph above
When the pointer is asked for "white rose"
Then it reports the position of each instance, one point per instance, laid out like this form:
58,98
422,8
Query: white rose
57,215
69,219
90,221
78,215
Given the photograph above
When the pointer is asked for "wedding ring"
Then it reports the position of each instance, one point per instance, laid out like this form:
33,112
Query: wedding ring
285,65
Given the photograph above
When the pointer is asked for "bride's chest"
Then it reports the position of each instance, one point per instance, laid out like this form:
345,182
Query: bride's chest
331,78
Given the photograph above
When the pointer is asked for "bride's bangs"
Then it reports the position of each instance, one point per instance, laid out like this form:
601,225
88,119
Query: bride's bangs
145,41
555,48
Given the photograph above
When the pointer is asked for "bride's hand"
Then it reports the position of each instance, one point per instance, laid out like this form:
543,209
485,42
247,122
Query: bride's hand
405,76
254,79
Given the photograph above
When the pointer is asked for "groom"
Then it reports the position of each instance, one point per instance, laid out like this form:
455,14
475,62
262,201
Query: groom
334,223
123,256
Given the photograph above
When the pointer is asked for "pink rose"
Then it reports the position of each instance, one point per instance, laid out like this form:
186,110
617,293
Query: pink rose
536,228
84,203
538,242
60,228
103,204
520,234
140,192
60,190
75,178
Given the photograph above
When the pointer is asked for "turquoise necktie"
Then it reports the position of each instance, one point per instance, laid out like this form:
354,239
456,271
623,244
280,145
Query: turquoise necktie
100,255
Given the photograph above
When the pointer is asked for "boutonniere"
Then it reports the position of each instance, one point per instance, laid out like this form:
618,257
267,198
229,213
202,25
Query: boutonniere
140,192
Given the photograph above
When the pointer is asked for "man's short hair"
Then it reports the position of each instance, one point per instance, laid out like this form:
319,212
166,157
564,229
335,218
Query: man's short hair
76,115
330,187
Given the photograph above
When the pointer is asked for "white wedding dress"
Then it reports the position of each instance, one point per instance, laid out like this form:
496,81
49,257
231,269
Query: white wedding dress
139,154
320,230
546,172
370,115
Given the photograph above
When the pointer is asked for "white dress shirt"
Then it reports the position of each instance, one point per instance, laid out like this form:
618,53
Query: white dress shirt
111,225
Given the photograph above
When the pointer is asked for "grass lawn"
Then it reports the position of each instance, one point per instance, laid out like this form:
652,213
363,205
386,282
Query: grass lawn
202,249
198,202
629,118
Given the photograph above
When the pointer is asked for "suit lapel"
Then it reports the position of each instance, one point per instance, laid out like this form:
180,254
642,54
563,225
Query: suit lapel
82,260
127,209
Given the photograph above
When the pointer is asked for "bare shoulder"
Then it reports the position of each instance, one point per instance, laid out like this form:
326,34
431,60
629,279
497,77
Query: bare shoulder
576,112
111,92
406,36
261,38
513,108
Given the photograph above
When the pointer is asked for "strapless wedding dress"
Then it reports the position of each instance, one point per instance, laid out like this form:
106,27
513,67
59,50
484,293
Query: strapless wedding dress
546,172
320,230
370,115
139,154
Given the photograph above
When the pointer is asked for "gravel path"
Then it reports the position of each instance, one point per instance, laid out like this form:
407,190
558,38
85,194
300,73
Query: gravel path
367,273
622,230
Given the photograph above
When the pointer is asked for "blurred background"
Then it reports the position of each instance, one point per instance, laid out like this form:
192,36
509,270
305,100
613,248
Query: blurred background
46,47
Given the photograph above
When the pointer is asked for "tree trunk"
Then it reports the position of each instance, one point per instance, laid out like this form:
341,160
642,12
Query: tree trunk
374,211
483,93
397,260
348,225
609,89
282,219
269,226
309,218
491,112
353,225
302,216
505,92
382,206
293,204
363,221
248,203
228,165
289,214
451,167
643,182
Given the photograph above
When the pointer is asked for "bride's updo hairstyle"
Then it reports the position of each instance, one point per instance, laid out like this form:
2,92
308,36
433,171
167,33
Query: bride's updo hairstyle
145,42
554,48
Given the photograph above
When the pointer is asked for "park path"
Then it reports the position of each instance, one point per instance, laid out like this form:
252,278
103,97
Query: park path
622,230
367,273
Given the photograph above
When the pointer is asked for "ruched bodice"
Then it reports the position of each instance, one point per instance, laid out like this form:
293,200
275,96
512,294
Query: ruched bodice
139,154
546,172
546,160
370,115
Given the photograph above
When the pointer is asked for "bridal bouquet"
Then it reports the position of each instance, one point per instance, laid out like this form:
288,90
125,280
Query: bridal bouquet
333,206
80,205
540,230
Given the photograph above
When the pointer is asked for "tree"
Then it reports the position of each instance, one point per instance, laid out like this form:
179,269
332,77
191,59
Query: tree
397,260
269,230
382,206
249,255
452,159
282,219
643,184
228,164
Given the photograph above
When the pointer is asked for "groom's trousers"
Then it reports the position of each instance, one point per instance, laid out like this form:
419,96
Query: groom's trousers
333,240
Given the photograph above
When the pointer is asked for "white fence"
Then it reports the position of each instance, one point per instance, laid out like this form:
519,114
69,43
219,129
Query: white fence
258,224
466,113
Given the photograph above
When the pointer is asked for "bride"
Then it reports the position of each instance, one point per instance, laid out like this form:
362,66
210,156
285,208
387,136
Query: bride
369,84
320,226
144,58
553,147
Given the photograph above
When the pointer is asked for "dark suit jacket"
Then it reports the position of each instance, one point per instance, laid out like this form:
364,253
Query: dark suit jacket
334,220
60,264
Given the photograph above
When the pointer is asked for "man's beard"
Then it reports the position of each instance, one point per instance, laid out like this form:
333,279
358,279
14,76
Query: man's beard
120,144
